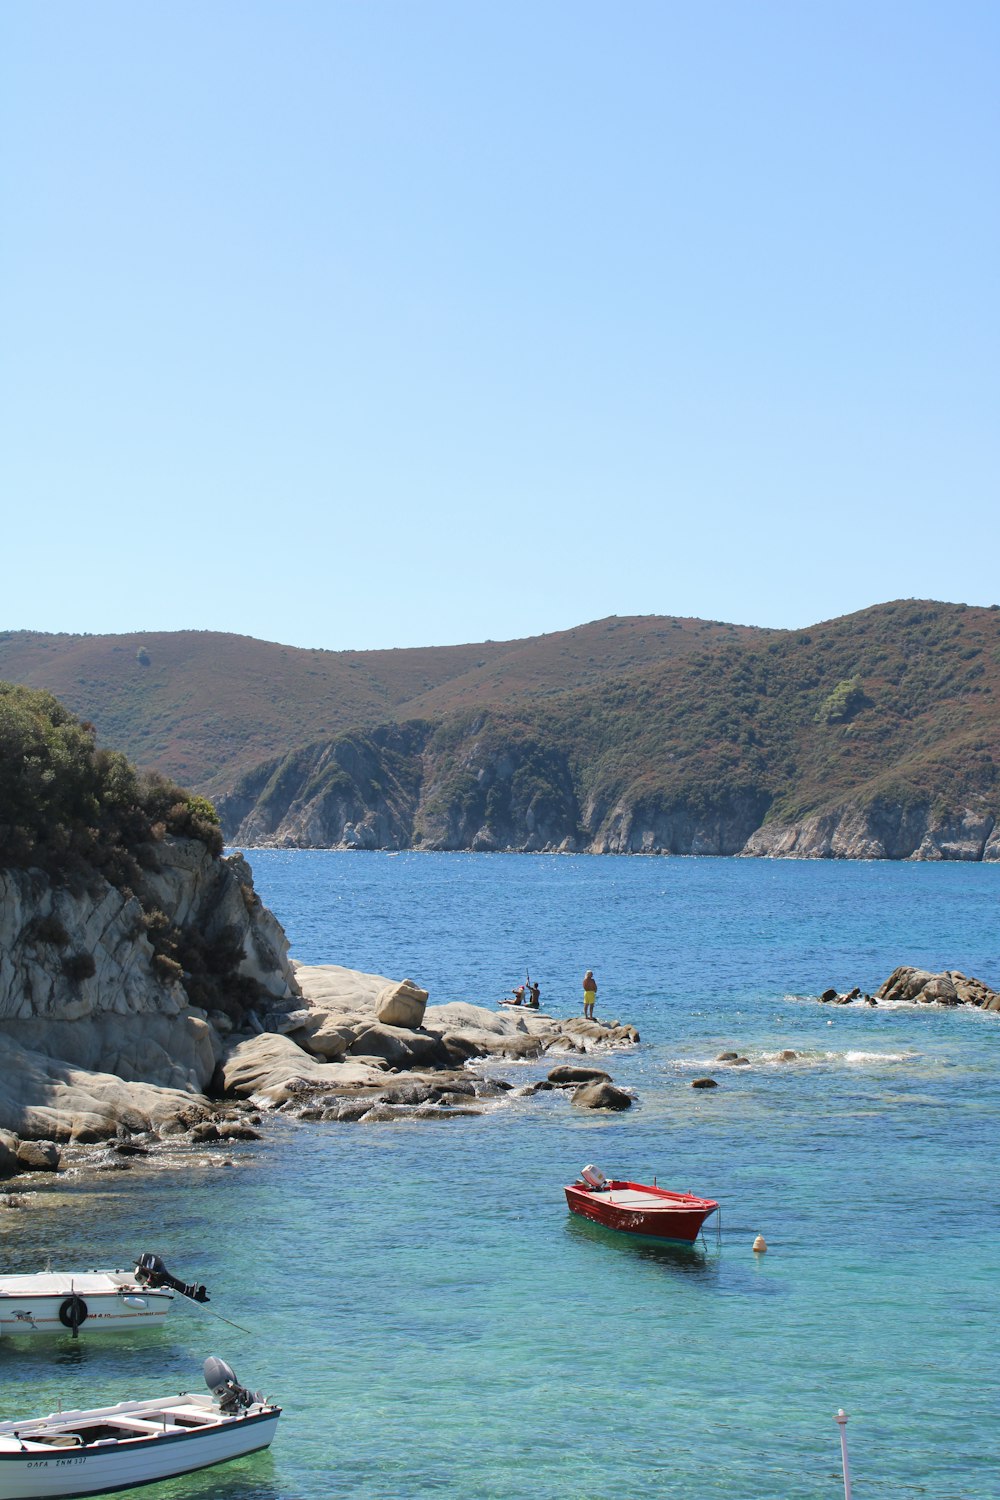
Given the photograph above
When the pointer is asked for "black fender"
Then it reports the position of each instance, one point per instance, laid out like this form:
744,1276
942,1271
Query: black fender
73,1312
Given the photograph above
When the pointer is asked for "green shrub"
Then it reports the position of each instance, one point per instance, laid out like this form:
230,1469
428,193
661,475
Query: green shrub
845,700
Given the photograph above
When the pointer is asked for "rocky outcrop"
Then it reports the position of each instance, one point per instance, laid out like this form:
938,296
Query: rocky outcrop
918,986
881,830
304,1074
99,1019
951,987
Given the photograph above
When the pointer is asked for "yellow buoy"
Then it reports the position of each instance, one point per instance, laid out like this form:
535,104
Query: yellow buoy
759,1245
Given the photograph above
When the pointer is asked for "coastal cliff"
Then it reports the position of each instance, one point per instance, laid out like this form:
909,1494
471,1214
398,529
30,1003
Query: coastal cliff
485,789
129,946
876,736
143,984
99,1027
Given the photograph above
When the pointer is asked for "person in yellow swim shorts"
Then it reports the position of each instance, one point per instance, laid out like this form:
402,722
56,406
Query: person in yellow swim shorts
589,994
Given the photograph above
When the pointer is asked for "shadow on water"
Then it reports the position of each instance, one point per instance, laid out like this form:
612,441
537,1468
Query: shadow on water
686,1259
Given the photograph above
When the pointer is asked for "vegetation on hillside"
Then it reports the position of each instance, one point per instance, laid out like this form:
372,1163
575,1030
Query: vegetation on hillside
69,808
206,708
896,706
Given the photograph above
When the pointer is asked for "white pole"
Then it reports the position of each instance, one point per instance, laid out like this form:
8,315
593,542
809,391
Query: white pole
841,1421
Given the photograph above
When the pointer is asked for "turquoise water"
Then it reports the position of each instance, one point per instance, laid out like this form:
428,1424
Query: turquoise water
434,1322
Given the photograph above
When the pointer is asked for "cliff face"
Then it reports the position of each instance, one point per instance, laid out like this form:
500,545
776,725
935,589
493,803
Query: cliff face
723,826
882,830
478,788
88,984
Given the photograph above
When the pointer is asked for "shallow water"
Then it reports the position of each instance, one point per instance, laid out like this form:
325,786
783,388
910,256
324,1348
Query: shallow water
437,1325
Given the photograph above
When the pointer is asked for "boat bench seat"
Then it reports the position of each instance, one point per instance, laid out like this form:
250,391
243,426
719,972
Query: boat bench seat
637,1200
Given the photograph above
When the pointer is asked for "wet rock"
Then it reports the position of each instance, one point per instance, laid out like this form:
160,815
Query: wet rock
38,1156
827,996
741,1062
568,1073
9,1164
727,1057
787,1055
951,987
704,1083
601,1096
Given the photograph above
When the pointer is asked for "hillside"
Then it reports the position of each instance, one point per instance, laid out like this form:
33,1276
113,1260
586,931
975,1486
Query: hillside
206,707
876,735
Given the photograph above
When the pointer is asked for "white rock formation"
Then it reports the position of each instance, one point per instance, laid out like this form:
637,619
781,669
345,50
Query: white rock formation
81,986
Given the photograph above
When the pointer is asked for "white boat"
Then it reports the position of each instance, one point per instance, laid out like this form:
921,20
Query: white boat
92,1452
54,1301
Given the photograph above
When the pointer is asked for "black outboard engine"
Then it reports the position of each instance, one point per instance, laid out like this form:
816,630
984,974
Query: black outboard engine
231,1396
150,1271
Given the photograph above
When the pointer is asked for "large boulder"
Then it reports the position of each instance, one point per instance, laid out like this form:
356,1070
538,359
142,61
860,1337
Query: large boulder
271,1069
401,1004
568,1073
326,1041
38,1156
401,1048
332,987
601,1096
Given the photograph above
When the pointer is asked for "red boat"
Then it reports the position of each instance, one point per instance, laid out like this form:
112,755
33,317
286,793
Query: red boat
633,1208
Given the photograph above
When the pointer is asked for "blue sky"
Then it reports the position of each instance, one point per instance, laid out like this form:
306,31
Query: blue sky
377,324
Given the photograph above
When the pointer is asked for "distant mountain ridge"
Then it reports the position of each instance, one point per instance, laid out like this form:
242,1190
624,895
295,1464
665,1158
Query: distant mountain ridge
876,735
204,707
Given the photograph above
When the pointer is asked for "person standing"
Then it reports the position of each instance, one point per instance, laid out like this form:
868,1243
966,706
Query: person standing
589,994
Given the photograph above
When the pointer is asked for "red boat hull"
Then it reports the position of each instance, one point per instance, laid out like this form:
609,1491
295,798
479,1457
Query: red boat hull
634,1208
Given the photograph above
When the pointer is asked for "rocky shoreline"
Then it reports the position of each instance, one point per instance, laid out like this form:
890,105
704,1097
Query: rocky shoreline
104,1057
366,1048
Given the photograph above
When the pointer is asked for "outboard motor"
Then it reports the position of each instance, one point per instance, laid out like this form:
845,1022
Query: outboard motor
150,1271
594,1177
231,1396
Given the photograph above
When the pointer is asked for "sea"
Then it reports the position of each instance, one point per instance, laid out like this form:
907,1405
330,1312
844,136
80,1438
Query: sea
435,1324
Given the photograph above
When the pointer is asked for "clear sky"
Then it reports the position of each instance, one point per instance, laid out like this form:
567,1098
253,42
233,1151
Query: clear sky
353,323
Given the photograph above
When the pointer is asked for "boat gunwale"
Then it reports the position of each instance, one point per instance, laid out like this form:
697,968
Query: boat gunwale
675,1202
63,1422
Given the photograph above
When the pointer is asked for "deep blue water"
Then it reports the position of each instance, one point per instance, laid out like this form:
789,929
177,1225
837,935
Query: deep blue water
437,1325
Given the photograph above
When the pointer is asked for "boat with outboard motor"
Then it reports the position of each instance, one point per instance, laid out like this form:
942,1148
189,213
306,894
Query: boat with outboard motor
634,1208
106,1448
54,1301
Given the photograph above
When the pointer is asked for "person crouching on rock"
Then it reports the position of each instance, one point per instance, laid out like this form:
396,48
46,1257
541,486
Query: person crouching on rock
589,994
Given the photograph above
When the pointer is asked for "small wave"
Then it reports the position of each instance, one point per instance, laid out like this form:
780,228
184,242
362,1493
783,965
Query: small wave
854,1057
858,1056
